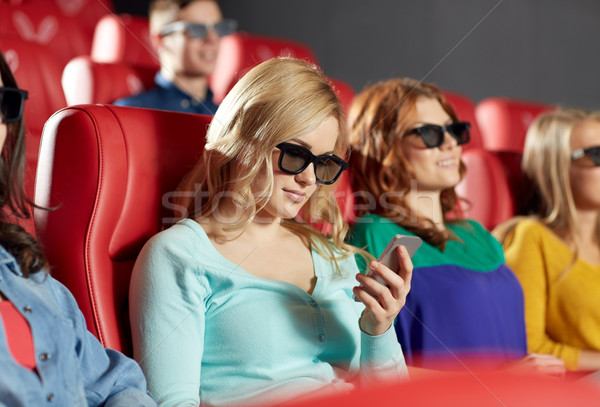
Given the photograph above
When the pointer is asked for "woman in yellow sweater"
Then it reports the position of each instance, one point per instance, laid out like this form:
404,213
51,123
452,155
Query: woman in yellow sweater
556,252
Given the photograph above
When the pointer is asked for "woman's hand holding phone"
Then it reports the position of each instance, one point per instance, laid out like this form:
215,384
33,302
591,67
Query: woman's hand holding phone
383,290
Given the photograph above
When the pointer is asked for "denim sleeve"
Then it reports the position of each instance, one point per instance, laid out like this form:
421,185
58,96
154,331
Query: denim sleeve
109,377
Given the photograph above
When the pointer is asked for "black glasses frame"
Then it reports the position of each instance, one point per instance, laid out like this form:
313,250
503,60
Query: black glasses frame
592,152
459,130
311,158
198,30
20,97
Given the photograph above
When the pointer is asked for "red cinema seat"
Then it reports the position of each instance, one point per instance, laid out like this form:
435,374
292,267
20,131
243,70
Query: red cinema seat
489,199
64,36
504,122
241,51
85,81
123,38
87,12
37,71
485,186
111,173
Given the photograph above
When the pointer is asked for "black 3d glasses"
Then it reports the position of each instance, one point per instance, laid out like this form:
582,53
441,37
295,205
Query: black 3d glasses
591,153
433,135
294,159
197,30
12,101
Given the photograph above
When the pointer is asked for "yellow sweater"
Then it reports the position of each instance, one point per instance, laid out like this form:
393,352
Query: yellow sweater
562,310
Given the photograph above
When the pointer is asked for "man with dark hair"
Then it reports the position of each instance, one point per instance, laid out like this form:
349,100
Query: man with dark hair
186,35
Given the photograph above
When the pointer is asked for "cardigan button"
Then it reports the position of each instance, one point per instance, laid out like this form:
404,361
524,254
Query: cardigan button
27,309
45,357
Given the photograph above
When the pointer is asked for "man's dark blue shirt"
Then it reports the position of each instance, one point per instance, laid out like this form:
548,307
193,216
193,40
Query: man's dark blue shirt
166,96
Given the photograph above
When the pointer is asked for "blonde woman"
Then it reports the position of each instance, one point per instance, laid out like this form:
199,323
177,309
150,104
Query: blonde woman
556,252
240,303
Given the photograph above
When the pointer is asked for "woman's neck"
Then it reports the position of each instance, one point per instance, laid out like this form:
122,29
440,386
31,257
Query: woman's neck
589,246
426,204
262,228
588,223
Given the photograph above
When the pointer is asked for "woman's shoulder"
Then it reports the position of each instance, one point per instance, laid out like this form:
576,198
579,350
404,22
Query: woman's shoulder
177,245
371,223
522,228
531,225
470,229
183,234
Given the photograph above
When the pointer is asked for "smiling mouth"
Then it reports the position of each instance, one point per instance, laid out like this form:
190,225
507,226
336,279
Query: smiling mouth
447,163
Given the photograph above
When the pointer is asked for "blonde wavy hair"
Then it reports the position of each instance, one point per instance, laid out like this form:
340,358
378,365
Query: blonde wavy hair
546,162
377,119
276,101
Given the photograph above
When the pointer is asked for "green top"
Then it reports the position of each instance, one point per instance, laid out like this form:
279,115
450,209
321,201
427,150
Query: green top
476,250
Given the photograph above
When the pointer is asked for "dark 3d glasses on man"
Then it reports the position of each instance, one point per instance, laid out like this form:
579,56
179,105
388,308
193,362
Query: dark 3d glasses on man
433,135
294,159
197,30
12,101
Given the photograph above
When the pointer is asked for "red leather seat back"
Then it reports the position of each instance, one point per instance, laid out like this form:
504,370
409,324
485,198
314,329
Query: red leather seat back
87,12
241,51
504,122
486,188
465,109
64,36
85,81
111,172
123,38
37,71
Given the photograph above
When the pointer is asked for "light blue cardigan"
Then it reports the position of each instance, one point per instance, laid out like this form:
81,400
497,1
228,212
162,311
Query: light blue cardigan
207,332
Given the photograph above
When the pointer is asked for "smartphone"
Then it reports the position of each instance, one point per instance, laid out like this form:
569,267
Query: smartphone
389,258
